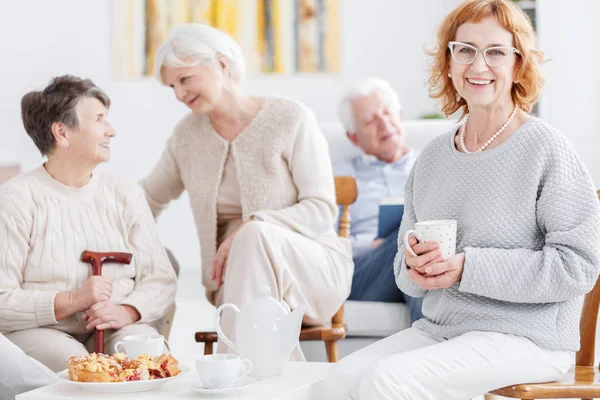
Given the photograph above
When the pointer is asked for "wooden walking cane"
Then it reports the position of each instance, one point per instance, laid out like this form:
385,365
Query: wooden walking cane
97,259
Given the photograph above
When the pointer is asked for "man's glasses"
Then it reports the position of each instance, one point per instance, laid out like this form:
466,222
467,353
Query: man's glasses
495,56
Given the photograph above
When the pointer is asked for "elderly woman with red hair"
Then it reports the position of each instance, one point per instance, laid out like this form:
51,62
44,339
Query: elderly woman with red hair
505,308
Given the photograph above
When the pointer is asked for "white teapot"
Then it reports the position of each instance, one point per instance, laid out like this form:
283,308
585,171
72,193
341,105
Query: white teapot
266,332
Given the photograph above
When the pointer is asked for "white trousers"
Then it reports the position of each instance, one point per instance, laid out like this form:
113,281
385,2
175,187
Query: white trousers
415,365
20,373
299,271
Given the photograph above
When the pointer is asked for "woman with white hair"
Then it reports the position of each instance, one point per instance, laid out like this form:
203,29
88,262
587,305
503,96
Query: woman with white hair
260,183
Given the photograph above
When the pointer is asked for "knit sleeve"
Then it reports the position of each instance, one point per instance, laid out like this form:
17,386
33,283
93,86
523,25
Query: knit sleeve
164,183
568,214
19,309
155,280
408,221
316,210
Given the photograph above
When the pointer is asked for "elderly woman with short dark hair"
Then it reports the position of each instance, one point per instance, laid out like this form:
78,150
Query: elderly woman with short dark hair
50,304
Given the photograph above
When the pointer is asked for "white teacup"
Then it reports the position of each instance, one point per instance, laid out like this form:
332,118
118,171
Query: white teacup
441,231
136,345
221,370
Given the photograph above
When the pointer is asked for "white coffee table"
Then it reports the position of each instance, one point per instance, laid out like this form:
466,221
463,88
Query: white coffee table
300,381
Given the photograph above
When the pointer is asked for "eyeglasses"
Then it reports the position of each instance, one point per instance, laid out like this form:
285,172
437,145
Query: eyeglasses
495,56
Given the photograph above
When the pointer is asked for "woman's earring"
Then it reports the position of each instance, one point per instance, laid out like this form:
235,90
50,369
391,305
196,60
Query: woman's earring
449,76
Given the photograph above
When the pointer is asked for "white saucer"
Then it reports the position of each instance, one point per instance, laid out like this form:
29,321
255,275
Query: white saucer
240,384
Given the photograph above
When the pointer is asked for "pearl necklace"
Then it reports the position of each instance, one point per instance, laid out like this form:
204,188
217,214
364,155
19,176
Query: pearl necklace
463,129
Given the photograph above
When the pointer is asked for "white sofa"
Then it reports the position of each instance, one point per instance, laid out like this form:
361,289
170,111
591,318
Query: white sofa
371,321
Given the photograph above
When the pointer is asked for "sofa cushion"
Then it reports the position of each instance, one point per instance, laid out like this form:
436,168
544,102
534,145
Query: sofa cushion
375,319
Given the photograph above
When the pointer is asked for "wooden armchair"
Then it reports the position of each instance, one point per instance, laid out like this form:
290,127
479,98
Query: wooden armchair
346,192
583,379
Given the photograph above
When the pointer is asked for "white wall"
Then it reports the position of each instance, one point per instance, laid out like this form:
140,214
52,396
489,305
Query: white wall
569,33
40,39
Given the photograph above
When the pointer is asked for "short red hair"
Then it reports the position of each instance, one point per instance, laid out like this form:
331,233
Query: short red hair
528,72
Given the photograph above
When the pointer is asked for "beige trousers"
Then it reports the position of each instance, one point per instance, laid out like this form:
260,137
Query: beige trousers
298,270
53,348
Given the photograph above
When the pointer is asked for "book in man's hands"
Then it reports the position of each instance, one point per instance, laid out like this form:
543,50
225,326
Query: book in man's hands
391,210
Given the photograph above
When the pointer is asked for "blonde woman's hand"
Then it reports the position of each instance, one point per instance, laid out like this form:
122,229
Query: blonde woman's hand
220,260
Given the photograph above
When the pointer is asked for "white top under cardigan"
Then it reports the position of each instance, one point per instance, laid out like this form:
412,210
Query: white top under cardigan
283,170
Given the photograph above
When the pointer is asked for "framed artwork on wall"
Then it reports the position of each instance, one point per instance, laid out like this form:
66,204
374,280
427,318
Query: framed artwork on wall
276,36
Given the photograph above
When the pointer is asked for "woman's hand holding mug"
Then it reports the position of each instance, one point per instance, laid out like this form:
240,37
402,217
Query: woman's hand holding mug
431,256
419,255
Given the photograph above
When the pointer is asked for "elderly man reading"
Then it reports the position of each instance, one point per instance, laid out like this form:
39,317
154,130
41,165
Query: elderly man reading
371,115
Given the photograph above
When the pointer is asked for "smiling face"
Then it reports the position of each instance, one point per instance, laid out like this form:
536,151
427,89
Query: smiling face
479,84
91,140
199,87
379,129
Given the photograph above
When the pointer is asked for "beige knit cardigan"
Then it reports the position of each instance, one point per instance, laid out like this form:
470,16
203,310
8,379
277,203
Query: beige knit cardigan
283,169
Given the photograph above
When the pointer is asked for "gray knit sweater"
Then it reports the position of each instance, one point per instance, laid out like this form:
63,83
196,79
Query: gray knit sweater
529,225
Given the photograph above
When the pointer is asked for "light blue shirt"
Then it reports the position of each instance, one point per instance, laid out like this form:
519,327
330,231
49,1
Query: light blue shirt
376,180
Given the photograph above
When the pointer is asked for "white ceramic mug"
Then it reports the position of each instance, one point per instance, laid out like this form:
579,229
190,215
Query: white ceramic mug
221,370
441,231
136,345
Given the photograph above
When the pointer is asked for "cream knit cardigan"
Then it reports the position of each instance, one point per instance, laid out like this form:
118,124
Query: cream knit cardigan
283,169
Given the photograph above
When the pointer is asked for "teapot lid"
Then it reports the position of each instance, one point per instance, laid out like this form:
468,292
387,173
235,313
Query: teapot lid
264,302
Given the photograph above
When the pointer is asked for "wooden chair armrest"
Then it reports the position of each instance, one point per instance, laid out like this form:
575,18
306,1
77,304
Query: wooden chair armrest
335,332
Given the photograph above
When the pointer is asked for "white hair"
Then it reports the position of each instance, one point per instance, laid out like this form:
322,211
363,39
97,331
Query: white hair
191,44
365,88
